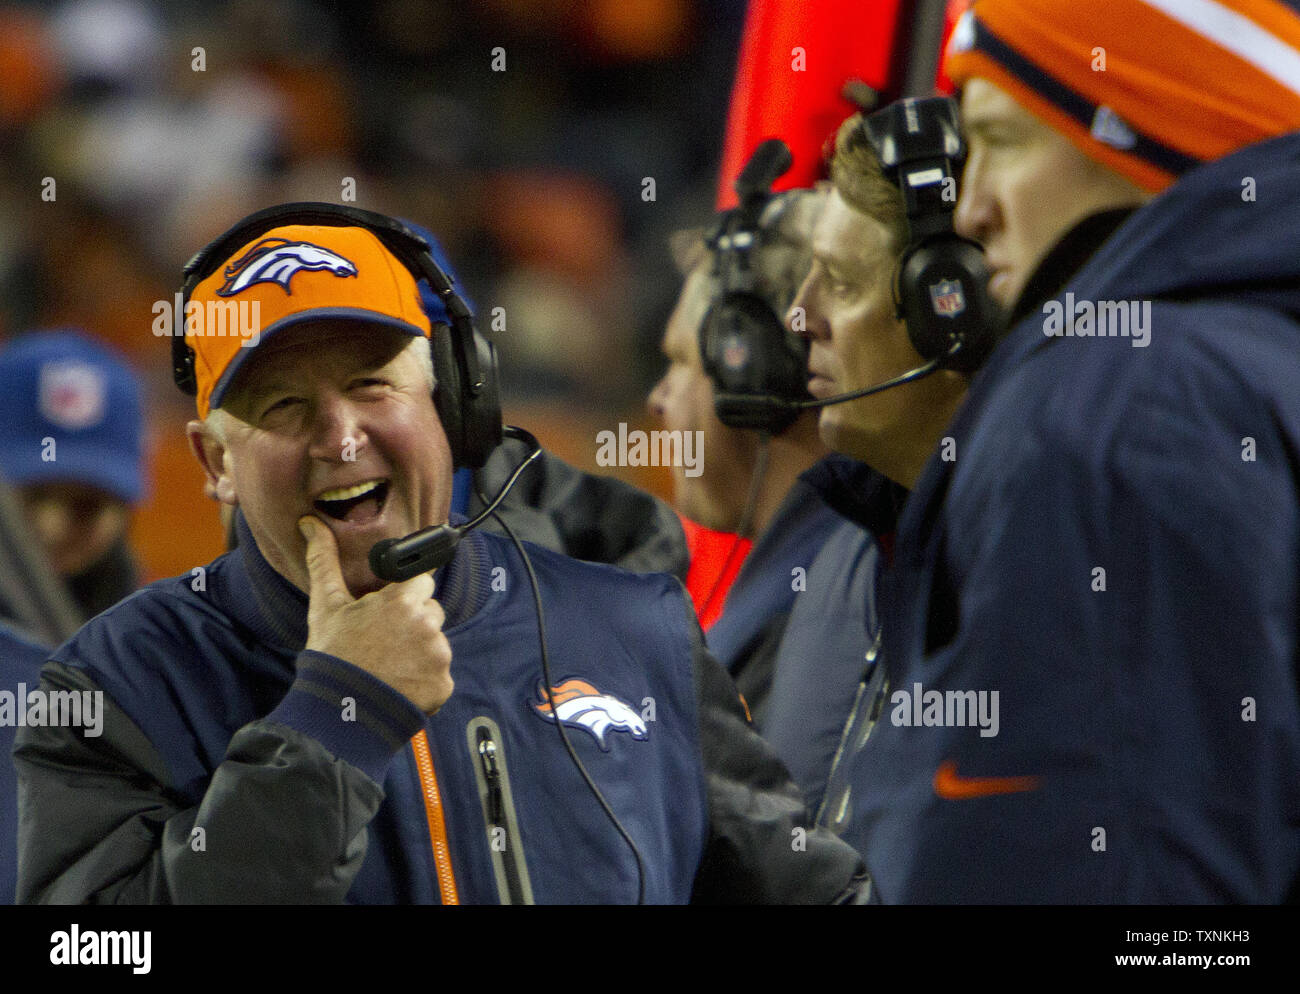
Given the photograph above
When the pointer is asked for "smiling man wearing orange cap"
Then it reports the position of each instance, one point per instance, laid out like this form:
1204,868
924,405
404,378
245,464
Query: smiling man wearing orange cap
1115,550
309,285
282,725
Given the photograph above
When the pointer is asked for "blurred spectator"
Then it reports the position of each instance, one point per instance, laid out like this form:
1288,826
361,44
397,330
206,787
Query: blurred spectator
72,451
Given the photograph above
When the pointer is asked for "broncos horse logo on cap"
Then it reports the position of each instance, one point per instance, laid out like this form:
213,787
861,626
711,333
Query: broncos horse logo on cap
580,705
275,260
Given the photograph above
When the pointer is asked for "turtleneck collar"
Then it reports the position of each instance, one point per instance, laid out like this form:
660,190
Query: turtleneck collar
1064,259
462,587
857,492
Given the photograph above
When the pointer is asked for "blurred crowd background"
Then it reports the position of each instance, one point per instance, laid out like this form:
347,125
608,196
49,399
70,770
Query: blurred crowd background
534,178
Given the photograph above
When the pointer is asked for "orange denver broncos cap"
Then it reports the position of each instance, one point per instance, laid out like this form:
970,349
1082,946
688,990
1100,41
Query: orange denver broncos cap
1148,88
283,277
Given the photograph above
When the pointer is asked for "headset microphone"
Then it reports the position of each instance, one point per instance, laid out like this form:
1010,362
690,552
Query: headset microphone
934,365
768,164
399,559
745,348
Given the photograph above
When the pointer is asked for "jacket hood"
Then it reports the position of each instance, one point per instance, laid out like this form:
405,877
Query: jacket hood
1228,227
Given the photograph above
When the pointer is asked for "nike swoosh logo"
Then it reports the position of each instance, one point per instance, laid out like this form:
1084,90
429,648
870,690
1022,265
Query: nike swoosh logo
951,787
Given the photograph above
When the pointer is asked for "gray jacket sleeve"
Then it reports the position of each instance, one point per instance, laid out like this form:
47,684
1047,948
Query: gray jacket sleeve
763,847
283,820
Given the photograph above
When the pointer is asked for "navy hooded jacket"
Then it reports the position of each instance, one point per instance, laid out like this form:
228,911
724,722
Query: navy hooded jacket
1114,553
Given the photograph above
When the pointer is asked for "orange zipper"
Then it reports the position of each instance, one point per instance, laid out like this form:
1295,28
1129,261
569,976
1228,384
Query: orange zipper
437,824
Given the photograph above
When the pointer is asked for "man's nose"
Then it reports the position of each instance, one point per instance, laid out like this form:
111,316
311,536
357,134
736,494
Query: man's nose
654,401
336,433
802,318
976,214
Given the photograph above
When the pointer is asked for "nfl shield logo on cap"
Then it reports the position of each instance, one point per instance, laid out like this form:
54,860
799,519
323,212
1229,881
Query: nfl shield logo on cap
947,298
72,394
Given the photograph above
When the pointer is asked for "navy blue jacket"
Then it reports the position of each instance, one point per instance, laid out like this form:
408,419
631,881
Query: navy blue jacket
20,665
230,770
1115,551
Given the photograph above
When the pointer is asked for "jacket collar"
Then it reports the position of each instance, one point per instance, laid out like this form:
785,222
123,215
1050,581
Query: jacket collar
857,492
1065,259
278,613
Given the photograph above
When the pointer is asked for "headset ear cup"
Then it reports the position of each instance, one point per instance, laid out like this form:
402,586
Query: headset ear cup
924,329
182,355
447,391
472,424
708,339
945,296
481,415
751,358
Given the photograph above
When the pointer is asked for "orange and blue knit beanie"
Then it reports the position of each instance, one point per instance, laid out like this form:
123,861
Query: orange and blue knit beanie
1148,88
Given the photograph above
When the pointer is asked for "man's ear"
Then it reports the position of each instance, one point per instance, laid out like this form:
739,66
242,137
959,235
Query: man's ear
210,451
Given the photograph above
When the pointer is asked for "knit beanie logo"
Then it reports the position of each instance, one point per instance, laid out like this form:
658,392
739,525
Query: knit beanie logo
963,34
1111,129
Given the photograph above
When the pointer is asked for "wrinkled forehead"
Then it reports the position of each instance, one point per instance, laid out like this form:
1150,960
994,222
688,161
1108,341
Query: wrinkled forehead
985,105
301,352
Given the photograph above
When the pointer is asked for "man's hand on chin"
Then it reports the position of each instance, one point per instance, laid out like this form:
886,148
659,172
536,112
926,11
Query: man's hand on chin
394,633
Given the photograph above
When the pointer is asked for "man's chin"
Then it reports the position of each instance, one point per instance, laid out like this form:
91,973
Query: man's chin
839,434
362,581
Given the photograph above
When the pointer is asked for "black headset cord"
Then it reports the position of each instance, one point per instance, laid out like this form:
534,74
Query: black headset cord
550,695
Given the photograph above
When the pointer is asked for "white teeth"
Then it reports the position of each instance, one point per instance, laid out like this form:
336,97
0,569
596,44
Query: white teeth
347,493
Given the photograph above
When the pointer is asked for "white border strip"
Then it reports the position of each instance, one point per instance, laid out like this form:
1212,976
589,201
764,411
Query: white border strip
1239,35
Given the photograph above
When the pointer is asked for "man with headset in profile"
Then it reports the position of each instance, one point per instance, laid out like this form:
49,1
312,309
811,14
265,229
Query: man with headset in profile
1114,549
884,366
285,725
788,619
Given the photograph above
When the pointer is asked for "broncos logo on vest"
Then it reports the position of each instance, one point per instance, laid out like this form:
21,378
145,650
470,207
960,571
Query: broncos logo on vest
580,705
276,260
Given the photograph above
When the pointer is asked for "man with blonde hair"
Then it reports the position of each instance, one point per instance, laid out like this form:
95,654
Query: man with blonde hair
1110,564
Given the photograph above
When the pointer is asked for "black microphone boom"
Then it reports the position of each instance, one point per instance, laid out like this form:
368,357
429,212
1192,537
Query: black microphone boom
399,559
840,398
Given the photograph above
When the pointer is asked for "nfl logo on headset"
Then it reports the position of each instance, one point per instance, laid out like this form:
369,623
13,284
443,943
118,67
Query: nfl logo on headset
947,298
735,353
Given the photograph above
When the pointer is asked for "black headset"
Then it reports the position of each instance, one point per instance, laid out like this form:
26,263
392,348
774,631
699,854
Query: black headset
464,361
941,283
745,347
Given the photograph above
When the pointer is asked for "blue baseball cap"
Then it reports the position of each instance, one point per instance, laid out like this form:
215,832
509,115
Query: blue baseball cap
70,411
432,303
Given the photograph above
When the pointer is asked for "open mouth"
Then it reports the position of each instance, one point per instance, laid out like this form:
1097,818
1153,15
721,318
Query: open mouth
356,504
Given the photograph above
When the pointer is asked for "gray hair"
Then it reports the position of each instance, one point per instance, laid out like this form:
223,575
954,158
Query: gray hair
784,254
